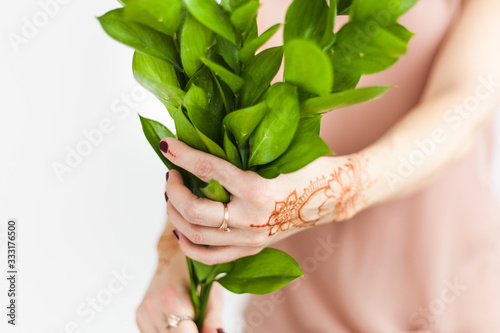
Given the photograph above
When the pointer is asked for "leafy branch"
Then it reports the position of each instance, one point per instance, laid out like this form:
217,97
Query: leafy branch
199,58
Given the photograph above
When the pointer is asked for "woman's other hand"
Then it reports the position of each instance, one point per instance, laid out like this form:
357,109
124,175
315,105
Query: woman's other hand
169,293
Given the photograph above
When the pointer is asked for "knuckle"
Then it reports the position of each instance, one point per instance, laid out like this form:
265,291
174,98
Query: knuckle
195,236
259,186
258,241
204,168
192,214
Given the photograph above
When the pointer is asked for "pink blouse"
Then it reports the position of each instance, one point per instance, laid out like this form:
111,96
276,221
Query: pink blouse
426,263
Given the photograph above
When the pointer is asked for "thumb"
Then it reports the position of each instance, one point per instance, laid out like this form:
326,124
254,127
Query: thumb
213,319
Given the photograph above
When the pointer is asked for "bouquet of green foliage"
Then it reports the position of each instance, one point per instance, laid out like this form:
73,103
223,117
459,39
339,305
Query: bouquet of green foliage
199,58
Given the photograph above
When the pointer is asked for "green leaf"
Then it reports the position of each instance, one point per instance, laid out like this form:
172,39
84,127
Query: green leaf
159,77
359,52
170,96
154,69
304,148
248,51
243,16
342,99
139,36
215,191
229,53
235,4
201,270
259,74
226,94
384,11
406,5
400,31
273,135
210,14
206,273
193,282
232,80
343,6
328,35
226,5
208,129
310,124
306,19
204,79
243,122
196,39
161,15
232,153
186,131
196,97
205,123
212,147
155,132
262,273
307,67
269,172
345,81
251,33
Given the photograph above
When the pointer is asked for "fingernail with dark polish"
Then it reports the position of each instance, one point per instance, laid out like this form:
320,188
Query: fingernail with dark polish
166,197
220,330
167,175
177,236
163,146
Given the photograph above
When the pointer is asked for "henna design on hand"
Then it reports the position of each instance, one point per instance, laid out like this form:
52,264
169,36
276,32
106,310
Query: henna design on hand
339,197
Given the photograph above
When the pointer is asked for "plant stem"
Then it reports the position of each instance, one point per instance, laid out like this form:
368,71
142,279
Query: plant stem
200,293
204,295
194,287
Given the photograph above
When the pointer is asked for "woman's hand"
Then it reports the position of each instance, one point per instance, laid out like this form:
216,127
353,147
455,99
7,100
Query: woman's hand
168,293
261,211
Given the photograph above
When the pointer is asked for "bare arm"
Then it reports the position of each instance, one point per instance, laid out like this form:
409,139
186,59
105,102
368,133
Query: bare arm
462,93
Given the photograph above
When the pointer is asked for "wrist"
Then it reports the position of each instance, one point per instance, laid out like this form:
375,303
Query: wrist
338,188
376,157
351,182
168,247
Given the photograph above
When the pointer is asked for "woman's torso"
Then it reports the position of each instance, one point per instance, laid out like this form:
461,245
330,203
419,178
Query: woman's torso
426,263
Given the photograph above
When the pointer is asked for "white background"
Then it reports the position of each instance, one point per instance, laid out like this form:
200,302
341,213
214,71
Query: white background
105,215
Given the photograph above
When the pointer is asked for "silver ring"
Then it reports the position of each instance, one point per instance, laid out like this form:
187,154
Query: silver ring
173,320
223,226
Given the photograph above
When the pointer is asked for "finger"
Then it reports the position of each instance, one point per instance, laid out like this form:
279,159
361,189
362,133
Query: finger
213,319
174,301
201,211
213,255
202,165
195,210
185,326
201,235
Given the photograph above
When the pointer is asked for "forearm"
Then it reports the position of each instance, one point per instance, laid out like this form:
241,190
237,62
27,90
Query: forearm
426,142
462,93
168,247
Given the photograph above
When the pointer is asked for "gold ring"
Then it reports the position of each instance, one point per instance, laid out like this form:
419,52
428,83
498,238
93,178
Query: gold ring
173,320
224,226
